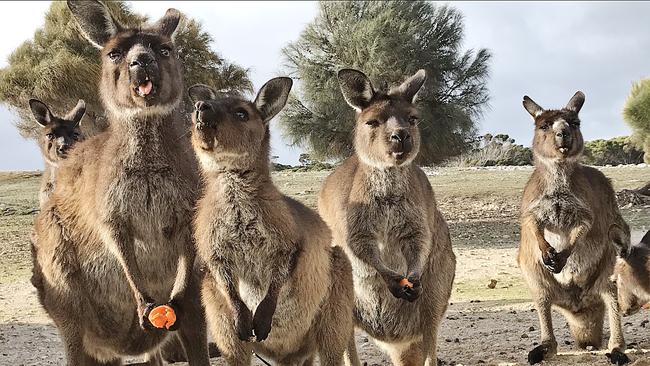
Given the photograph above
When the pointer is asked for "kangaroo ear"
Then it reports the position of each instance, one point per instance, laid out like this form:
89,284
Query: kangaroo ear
201,92
77,113
356,88
576,102
411,86
272,97
167,25
95,21
41,112
533,108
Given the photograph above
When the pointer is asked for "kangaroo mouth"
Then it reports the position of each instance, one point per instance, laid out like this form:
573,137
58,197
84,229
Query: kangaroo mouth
564,150
399,155
144,88
400,152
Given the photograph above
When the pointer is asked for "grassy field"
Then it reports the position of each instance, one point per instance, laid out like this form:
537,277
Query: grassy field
481,206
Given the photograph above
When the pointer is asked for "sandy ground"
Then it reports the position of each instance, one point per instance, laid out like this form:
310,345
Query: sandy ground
482,326
473,333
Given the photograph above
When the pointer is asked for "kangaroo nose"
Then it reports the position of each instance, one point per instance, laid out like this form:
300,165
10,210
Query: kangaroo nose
142,60
63,148
201,106
562,134
400,136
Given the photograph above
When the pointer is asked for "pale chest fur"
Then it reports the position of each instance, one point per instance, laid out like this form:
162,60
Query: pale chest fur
559,207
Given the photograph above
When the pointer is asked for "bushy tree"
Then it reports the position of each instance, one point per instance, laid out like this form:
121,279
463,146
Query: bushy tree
388,41
59,66
616,151
637,115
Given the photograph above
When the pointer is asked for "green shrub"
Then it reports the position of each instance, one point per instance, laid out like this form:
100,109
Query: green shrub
616,151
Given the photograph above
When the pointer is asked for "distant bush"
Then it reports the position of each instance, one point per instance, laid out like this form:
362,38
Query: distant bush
307,164
489,150
616,151
637,114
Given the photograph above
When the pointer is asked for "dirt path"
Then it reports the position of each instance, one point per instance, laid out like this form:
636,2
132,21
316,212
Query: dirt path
472,334
492,332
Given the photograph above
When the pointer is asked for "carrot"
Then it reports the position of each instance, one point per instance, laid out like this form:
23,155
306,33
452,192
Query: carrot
162,316
404,282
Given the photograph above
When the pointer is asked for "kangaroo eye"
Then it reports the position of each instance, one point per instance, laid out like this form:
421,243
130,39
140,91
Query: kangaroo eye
544,127
50,136
241,115
165,51
75,136
413,120
372,123
115,55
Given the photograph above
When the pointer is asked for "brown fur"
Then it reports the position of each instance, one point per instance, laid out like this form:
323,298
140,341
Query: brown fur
565,254
271,265
57,137
382,210
114,240
632,275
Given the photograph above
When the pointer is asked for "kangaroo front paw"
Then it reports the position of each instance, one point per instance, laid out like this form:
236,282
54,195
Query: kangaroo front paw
397,286
404,288
262,325
144,310
244,325
412,287
263,319
553,261
617,357
541,353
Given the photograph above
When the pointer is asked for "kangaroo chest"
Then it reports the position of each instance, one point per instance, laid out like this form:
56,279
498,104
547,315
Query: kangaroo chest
239,226
249,240
560,207
388,210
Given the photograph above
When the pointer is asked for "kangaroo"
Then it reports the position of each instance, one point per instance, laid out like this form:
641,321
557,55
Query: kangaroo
565,254
58,135
382,210
114,242
275,285
632,272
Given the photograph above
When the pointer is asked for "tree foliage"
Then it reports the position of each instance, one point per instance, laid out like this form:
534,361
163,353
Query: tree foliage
59,66
616,151
637,115
388,41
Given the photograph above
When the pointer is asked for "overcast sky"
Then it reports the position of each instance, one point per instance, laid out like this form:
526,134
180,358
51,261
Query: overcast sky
546,50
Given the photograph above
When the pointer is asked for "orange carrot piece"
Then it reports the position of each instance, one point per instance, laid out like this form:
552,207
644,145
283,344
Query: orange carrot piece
404,282
162,316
